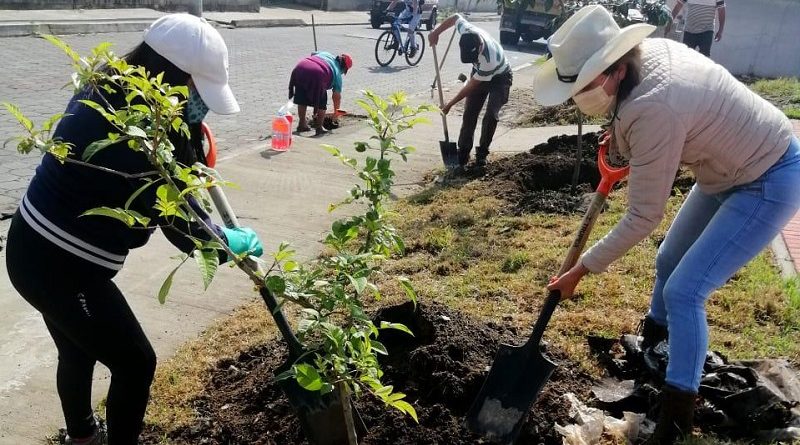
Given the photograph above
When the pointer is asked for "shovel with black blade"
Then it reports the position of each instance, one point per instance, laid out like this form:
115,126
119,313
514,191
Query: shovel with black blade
519,373
321,416
449,149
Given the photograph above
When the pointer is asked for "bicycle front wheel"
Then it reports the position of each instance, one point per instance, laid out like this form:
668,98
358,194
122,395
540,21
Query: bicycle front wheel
385,48
415,51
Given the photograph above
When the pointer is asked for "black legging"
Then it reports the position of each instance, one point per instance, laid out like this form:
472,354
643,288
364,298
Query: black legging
90,321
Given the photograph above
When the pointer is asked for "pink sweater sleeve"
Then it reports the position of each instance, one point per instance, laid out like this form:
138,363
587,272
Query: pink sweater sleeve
655,136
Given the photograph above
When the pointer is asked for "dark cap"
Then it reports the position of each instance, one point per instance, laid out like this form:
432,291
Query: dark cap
470,45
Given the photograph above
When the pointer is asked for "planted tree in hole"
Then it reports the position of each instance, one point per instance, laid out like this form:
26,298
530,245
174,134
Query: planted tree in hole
330,292
332,289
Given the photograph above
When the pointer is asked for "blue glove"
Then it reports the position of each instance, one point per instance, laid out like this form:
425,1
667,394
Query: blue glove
243,239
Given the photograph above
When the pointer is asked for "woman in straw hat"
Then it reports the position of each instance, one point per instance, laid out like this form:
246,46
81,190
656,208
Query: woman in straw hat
671,106
85,313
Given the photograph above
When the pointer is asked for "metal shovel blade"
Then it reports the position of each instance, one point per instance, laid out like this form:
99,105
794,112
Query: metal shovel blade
449,153
515,380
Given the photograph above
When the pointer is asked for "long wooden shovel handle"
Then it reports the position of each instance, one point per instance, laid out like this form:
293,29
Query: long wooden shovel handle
609,177
441,94
230,220
444,57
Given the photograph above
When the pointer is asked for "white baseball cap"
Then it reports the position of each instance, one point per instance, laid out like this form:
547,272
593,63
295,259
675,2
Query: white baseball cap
194,46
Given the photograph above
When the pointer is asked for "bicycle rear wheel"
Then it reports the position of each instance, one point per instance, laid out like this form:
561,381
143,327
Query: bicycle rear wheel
413,57
385,48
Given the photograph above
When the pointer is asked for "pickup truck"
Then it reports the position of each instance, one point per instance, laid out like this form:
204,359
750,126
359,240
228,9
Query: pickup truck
537,20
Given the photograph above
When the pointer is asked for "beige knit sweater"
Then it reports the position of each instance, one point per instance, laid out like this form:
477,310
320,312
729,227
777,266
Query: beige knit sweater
688,111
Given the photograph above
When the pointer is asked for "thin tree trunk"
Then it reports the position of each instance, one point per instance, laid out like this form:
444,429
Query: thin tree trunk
576,173
347,408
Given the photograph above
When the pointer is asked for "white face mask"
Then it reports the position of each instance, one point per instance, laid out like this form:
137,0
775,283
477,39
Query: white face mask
594,102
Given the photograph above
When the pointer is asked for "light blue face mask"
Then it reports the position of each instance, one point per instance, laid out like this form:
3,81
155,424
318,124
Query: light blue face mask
196,109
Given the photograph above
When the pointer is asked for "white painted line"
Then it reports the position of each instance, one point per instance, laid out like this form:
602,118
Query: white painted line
520,67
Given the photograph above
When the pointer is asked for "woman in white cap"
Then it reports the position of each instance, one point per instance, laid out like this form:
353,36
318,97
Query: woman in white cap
671,106
84,311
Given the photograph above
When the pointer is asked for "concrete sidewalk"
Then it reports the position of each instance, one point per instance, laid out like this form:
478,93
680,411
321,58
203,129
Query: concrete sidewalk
17,23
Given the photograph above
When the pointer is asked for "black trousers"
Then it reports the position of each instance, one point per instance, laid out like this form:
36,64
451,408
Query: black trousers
700,41
90,321
497,91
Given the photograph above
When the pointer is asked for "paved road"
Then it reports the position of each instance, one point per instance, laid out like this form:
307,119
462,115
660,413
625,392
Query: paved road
33,72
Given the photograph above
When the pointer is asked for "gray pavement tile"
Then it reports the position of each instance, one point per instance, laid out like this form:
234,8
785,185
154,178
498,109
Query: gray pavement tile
261,59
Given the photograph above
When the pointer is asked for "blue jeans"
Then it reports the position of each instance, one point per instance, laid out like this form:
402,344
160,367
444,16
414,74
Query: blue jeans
712,237
406,17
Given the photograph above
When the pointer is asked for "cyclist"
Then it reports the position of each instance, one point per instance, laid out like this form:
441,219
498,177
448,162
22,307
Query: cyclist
411,16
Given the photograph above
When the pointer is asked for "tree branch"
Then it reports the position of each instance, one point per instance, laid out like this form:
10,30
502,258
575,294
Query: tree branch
111,171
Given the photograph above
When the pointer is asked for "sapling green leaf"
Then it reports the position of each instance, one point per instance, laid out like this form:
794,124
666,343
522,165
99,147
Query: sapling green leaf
208,262
165,287
396,326
308,377
122,215
408,288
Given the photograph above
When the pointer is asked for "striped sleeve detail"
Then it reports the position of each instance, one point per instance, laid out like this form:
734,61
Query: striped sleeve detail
462,25
68,242
700,17
492,60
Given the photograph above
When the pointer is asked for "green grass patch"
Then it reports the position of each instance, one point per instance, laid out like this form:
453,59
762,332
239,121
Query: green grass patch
783,92
498,265
792,112
514,262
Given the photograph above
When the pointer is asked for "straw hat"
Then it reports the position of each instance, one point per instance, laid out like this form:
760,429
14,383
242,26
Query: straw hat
583,47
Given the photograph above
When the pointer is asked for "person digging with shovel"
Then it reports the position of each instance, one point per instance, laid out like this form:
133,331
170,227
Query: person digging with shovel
63,263
671,106
309,83
491,78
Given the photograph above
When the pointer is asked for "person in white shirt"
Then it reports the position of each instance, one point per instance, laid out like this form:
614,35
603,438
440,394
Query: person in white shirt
698,33
491,78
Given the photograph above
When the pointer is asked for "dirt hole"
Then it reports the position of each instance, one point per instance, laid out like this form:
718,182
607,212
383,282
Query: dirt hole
441,370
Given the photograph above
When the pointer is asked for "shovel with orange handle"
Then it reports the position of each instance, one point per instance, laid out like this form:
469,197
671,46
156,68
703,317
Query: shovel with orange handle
519,373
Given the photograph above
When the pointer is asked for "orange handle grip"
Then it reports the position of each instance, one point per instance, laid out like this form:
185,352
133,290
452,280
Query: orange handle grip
211,156
608,175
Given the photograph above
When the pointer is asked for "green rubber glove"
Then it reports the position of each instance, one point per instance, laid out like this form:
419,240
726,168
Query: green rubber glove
243,239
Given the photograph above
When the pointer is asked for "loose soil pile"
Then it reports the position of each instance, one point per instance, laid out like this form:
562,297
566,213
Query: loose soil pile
441,370
540,180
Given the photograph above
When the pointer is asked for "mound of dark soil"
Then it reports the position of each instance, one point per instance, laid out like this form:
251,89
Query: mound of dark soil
441,370
540,180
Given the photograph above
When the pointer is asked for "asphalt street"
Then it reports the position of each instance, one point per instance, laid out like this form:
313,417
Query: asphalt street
35,73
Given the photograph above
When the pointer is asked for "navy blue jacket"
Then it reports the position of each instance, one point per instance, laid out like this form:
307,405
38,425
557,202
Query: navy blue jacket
59,193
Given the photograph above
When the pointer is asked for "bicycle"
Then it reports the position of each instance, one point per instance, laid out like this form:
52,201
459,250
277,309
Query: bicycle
387,47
